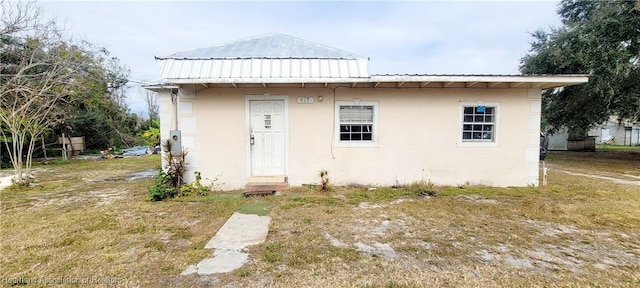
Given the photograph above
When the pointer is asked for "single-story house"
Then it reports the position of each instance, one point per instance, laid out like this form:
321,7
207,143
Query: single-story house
280,107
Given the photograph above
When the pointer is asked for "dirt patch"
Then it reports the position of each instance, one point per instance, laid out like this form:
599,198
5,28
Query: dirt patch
477,199
573,250
94,198
7,176
334,241
367,205
134,176
5,181
88,190
610,179
380,249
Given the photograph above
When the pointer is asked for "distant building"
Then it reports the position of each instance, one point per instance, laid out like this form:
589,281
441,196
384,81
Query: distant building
611,132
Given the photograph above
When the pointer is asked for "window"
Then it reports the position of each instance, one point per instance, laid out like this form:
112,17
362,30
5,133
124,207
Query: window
356,123
479,123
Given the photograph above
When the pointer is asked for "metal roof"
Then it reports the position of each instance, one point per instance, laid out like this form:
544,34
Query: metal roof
271,46
286,60
272,56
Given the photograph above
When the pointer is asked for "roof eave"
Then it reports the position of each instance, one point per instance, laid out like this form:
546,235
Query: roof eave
160,87
511,81
266,80
579,78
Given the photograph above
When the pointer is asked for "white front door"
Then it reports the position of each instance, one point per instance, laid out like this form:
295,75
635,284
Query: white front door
267,137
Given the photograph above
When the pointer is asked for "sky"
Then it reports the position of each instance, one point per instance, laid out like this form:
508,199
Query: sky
409,37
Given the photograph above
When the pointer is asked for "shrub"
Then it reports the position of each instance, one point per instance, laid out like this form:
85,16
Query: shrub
161,188
170,179
176,164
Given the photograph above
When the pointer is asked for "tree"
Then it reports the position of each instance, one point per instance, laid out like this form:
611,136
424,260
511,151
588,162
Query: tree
48,83
34,75
97,111
599,38
151,100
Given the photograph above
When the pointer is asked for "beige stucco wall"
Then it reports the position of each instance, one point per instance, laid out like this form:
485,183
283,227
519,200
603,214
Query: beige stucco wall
419,134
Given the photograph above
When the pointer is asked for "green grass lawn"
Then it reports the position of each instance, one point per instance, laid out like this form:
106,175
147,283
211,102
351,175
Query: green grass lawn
84,221
603,147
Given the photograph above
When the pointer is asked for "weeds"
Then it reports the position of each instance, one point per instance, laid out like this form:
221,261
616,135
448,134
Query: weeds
324,180
196,187
422,188
273,252
242,272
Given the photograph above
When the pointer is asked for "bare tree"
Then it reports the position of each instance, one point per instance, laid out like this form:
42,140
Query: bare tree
19,18
118,82
34,75
151,100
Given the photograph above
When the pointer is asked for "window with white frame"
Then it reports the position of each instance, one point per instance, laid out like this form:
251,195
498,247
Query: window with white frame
479,123
356,123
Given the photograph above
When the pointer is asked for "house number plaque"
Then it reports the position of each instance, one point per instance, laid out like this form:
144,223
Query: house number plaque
305,100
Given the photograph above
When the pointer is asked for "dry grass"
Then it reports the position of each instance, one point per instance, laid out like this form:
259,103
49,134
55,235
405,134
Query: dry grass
77,225
578,231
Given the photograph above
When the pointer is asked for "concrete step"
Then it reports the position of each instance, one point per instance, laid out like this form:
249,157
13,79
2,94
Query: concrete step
264,188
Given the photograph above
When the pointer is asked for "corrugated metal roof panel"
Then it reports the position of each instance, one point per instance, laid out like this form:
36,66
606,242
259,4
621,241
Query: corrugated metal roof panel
171,69
276,67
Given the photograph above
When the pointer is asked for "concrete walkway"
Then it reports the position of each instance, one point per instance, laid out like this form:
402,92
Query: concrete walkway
240,231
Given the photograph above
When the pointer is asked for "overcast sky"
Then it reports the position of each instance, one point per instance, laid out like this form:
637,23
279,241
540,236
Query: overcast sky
424,37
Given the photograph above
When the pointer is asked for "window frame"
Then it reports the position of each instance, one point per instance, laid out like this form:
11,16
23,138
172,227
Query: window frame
461,123
374,125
